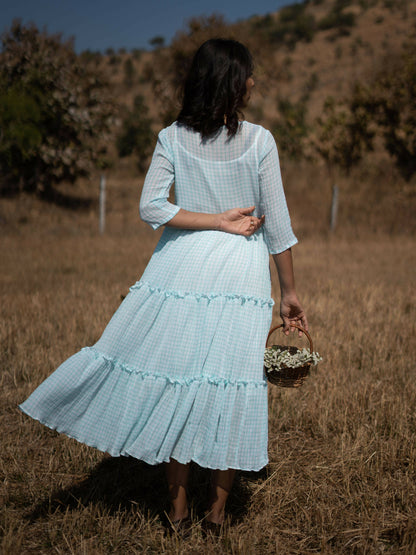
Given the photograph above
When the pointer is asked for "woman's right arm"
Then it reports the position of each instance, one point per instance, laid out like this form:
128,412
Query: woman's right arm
291,310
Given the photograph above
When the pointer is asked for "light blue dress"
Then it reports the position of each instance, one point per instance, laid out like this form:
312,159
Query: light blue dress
178,371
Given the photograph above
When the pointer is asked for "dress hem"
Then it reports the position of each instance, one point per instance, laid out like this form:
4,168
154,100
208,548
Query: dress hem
147,461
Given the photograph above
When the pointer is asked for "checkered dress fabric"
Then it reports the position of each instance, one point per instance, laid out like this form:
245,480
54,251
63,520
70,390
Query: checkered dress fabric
178,371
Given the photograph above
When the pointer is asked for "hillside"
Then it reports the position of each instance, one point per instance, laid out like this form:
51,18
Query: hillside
304,54
327,64
341,477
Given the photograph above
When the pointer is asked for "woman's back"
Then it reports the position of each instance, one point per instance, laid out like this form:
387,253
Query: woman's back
216,174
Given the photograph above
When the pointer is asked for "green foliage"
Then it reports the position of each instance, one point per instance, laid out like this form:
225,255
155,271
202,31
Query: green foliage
367,4
344,133
384,107
20,133
114,60
53,111
338,19
309,86
136,53
290,129
396,5
157,42
90,57
391,100
294,24
136,136
128,68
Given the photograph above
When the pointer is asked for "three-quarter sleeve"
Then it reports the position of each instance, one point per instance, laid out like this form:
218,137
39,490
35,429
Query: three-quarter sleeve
277,227
155,209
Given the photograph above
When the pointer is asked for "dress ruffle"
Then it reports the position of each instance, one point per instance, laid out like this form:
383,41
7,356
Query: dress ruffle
145,374
178,371
127,411
198,296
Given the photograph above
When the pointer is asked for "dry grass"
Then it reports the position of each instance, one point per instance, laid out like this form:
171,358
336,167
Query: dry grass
341,477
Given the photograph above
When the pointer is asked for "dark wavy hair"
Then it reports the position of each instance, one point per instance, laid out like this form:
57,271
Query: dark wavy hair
215,87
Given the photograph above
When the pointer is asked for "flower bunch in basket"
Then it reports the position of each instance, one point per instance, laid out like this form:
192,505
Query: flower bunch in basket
289,366
279,357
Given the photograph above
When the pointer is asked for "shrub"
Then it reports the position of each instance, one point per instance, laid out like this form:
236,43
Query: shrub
337,19
157,42
344,134
385,107
293,25
129,73
54,111
136,136
290,128
391,99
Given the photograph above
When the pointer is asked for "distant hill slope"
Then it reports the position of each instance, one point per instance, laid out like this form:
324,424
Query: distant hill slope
306,51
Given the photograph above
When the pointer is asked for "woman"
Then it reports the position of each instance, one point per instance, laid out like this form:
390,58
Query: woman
177,375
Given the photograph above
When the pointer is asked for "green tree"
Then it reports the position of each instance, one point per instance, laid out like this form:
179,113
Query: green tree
344,133
391,100
336,18
157,42
290,128
128,72
136,136
293,24
54,111
384,106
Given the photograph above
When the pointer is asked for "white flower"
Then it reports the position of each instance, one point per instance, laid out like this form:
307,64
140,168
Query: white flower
276,358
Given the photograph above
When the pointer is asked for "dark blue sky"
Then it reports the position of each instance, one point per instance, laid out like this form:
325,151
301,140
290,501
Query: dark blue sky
98,25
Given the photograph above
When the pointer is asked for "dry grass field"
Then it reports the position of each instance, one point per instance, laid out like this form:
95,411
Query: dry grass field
341,477
342,448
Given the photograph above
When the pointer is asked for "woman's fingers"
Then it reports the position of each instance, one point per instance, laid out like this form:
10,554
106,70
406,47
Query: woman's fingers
255,224
304,322
247,211
241,222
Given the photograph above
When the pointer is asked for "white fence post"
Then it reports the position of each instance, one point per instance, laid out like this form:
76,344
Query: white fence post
102,204
334,208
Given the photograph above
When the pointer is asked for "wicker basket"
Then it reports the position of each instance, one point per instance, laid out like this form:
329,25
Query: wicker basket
288,377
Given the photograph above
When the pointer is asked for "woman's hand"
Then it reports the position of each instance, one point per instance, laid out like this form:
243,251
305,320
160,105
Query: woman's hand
291,312
240,222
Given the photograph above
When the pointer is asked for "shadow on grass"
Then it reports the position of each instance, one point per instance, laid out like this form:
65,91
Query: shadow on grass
51,196
70,202
126,483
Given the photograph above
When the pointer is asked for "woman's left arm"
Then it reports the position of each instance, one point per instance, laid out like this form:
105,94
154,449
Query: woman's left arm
238,221
155,208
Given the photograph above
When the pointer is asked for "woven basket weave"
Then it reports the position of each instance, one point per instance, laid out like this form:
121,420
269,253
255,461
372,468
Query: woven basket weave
285,376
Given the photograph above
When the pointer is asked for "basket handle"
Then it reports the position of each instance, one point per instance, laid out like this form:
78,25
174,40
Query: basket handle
292,326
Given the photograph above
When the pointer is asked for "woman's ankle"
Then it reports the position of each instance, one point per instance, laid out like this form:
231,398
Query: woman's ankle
215,516
178,514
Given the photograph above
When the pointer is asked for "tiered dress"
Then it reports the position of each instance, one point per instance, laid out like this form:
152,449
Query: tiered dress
178,371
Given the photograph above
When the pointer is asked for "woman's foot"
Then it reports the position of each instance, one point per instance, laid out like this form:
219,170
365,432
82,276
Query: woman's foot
215,517
221,483
211,529
177,514
181,527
